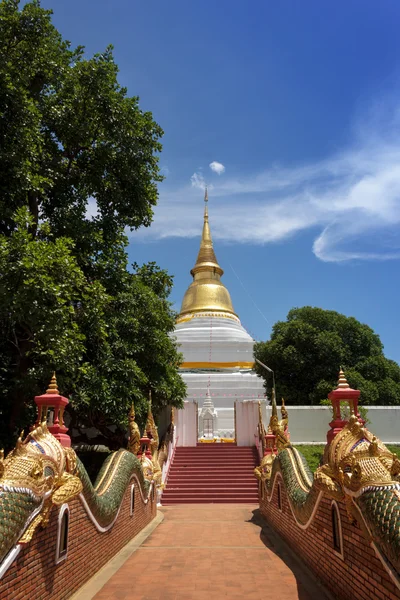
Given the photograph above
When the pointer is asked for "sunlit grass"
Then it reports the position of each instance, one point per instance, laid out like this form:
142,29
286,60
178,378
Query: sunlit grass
313,454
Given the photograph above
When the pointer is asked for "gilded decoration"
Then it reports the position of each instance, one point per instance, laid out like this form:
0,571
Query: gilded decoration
273,440
206,292
152,432
38,474
134,432
355,462
42,473
357,468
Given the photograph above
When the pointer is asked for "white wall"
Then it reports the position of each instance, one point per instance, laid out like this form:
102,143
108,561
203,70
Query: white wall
246,422
310,424
307,424
186,424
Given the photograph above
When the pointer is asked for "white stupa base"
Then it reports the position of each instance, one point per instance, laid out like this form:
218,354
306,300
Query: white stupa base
218,360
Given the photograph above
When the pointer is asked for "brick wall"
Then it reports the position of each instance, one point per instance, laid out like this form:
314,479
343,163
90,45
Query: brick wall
35,575
359,575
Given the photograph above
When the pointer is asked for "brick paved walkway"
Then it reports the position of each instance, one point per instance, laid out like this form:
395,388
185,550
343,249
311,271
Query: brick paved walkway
209,552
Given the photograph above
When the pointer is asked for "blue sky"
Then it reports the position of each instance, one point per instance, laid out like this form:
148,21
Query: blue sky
298,104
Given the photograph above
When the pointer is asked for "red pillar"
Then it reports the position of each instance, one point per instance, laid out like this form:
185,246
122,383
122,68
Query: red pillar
53,401
343,393
270,443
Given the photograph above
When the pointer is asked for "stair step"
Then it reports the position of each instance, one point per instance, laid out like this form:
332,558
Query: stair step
212,474
215,470
216,454
204,485
207,493
215,449
200,478
216,464
212,500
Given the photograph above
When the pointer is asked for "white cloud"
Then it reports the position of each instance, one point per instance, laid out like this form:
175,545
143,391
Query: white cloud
351,199
197,180
217,167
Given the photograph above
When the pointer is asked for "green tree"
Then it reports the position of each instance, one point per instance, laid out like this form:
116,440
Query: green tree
41,290
71,138
129,351
307,349
79,166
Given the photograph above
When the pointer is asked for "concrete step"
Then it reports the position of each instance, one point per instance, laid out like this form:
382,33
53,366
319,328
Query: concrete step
210,489
212,469
217,484
212,463
211,492
211,474
206,477
220,455
215,448
211,500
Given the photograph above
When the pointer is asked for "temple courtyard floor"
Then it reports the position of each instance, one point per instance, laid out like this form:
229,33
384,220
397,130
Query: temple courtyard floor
206,551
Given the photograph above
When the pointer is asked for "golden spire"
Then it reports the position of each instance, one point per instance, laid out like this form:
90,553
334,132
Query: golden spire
53,389
342,383
206,258
206,292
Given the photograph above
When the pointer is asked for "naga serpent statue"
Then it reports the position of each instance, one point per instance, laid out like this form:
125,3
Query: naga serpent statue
356,468
146,447
41,473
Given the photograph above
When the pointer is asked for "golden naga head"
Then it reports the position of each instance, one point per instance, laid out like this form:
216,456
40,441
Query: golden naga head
40,467
357,461
36,475
147,467
35,464
264,471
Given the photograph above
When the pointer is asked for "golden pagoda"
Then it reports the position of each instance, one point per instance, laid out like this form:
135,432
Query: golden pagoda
206,292
217,350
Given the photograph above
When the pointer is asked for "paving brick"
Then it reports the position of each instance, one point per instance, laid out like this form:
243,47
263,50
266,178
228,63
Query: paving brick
207,552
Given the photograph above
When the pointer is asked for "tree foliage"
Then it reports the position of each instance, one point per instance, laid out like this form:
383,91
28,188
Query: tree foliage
307,350
79,166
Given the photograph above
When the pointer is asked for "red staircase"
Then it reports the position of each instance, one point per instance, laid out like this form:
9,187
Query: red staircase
212,473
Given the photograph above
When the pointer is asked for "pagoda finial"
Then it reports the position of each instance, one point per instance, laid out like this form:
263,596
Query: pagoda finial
342,383
206,292
206,259
205,206
53,389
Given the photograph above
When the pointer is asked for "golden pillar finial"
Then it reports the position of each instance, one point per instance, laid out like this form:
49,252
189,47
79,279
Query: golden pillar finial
134,432
342,383
132,413
53,389
206,195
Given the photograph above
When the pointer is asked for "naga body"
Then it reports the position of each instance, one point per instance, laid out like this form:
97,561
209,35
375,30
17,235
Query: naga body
40,473
356,468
